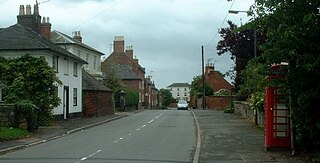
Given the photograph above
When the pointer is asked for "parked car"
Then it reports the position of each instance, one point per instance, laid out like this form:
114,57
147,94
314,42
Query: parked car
182,105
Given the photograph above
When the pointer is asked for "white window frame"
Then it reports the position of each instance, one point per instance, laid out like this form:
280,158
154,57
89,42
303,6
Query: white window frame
75,69
66,69
75,96
55,63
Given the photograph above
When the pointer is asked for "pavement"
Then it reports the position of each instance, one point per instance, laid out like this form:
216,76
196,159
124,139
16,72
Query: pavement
221,137
226,137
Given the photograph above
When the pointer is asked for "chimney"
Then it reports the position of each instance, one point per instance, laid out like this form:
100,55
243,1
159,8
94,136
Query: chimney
118,44
136,59
77,36
45,28
129,51
28,8
27,19
21,11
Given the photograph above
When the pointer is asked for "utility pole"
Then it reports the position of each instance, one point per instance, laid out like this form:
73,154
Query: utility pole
203,81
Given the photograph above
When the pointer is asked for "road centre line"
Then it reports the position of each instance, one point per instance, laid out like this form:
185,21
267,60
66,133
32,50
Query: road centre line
151,121
141,127
157,117
91,155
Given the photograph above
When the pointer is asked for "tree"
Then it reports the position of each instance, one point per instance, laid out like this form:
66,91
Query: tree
240,45
253,77
112,80
196,88
31,79
293,36
166,97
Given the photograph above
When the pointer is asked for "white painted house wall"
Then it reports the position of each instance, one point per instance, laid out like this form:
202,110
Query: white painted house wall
94,65
68,80
180,93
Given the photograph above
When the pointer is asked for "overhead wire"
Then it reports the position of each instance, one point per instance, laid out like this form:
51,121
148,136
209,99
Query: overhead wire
225,18
98,14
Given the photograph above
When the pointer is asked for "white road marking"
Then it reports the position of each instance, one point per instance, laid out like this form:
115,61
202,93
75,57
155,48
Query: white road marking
157,117
91,155
151,121
121,138
141,127
129,134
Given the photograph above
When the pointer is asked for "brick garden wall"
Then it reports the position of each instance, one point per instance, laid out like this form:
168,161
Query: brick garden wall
218,102
97,103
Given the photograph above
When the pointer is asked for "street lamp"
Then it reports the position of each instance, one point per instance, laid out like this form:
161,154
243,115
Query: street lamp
254,32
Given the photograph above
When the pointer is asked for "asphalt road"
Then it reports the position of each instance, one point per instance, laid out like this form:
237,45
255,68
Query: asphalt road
148,136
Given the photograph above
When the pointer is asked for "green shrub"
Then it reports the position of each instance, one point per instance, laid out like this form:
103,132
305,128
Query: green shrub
26,109
257,101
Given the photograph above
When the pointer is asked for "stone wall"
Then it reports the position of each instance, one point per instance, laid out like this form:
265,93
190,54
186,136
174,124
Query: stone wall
6,115
243,109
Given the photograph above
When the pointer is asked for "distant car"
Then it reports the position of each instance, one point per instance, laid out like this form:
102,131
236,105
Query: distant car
182,105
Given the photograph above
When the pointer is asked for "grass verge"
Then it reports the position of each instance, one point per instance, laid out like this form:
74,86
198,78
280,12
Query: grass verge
9,133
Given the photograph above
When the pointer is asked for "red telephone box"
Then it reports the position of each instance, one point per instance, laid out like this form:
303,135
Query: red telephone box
277,113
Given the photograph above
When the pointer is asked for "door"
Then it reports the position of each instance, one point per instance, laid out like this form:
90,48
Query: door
66,102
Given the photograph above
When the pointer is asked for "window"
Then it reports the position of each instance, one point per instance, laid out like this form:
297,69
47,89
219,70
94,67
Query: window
75,69
178,94
79,53
95,63
87,59
185,89
75,96
177,89
185,94
55,64
66,67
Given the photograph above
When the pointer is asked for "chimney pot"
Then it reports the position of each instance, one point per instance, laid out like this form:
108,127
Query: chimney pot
28,10
77,36
21,11
36,9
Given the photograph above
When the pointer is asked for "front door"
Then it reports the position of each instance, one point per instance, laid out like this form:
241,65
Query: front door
66,102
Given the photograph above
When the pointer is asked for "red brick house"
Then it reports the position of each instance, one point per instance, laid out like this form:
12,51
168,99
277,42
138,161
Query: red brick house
123,57
218,84
151,94
215,80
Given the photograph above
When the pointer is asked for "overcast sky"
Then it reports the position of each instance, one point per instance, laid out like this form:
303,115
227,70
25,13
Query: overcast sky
166,35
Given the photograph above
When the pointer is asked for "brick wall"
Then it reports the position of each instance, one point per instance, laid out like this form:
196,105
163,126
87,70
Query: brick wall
218,102
97,103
